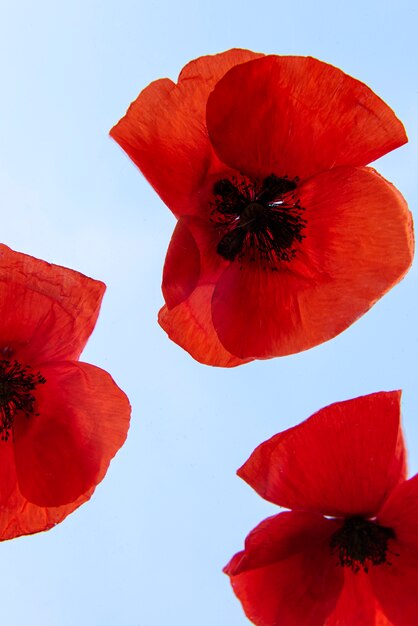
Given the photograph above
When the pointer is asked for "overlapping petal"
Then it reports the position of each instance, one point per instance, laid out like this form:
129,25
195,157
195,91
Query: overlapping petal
190,260
297,116
46,461
65,450
350,213
400,512
190,325
358,243
395,586
182,266
20,517
286,575
357,604
344,460
47,311
164,132
7,473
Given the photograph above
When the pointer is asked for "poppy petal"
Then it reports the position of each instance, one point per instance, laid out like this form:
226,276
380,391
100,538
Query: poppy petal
395,585
81,422
400,512
7,472
352,215
20,517
182,266
190,259
297,116
286,575
343,460
164,133
357,603
57,308
190,326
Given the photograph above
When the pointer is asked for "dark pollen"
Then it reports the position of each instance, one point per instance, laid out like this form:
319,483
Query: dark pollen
17,383
360,543
260,221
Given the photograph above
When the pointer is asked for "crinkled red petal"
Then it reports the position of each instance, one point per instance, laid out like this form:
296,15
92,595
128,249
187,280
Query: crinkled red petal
164,132
64,450
20,517
47,311
286,576
358,244
189,324
344,460
297,116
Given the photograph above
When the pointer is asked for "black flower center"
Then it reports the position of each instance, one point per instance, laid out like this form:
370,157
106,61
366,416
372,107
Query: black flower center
17,383
360,543
261,221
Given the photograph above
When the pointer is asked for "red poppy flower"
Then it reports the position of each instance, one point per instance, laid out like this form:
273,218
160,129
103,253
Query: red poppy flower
61,421
283,237
347,552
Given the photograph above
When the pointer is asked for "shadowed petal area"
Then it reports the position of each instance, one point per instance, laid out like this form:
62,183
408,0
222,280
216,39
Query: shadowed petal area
343,460
47,311
357,604
396,585
82,421
286,575
191,259
297,116
190,326
182,266
164,131
358,244
256,312
400,512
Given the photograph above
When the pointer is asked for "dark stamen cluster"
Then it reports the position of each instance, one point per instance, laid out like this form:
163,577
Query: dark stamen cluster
262,221
17,383
360,543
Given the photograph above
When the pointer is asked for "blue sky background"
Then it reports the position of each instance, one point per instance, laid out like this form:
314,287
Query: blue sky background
148,549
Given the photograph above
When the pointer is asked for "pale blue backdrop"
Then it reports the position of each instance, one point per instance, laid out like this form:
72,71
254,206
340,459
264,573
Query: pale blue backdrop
148,549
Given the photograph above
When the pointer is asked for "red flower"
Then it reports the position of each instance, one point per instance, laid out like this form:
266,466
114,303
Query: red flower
61,421
284,238
347,552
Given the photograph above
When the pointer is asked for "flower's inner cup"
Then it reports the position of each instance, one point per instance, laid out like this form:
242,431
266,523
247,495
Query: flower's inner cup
17,382
360,543
258,222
